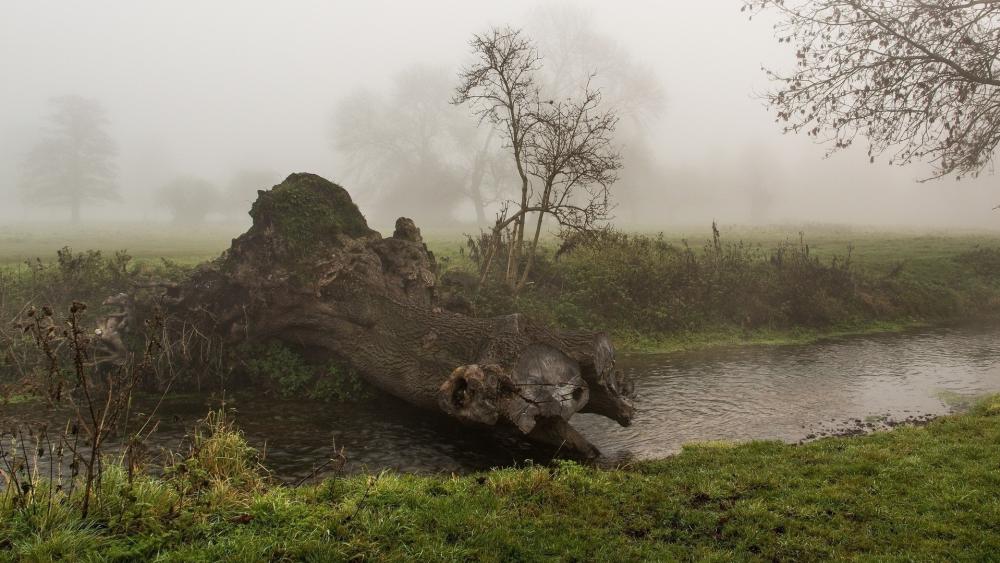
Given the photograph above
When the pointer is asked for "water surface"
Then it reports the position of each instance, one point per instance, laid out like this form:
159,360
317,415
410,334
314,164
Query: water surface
792,392
787,393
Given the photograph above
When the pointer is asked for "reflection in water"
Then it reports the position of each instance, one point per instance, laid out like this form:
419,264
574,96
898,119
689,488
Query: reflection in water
782,392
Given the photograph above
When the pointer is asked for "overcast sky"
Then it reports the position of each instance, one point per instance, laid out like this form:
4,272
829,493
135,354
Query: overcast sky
206,88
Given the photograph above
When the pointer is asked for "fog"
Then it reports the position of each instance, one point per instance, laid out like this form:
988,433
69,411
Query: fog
239,94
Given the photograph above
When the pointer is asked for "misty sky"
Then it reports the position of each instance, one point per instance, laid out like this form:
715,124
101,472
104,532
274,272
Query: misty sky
206,88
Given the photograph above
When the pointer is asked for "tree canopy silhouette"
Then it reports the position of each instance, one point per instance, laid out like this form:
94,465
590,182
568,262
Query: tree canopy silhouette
416,149
190,199
74,163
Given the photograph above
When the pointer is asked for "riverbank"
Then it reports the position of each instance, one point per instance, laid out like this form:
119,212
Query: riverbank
661,294
924,493
652,293
631,342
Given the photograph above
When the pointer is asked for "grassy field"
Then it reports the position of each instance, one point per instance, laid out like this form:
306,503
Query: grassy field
874,248
185,246
912,494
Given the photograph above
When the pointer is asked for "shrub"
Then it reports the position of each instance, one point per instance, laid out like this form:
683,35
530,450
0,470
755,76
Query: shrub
280,368
339,384
984,261
287,373
646,285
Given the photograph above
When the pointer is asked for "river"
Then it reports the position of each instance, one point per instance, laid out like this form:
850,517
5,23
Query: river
789,393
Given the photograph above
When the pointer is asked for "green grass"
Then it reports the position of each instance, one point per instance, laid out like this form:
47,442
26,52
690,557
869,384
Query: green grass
926,494
17,399
188,246
877,249
925,254
725,337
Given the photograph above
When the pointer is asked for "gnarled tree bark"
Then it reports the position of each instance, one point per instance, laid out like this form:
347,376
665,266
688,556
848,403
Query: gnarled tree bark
311,272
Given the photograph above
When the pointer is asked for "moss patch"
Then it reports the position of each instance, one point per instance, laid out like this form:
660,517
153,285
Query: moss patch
306,210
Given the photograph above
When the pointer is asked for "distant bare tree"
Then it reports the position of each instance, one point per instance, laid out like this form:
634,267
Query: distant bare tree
917,78
190,199
565,145
416,149
75,163
577,52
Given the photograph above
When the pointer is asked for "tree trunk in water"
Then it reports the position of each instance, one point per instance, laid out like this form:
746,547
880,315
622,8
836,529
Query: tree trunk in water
310,272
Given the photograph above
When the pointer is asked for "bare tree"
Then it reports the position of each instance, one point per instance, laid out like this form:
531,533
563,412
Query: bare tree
565,145
500,87
919,79
570,153
74,164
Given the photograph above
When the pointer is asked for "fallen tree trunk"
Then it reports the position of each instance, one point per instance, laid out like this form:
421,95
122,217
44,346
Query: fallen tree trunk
310,272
